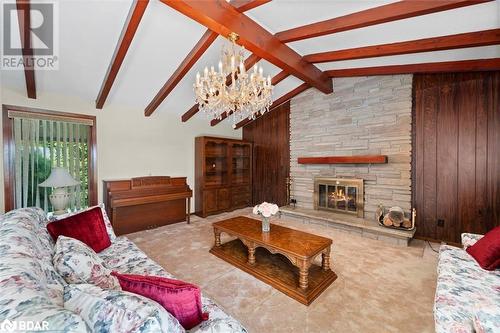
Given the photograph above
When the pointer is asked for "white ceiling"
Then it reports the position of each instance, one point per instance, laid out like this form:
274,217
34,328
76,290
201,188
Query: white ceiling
89,31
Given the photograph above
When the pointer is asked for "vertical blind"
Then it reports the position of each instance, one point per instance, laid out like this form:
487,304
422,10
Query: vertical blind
40,145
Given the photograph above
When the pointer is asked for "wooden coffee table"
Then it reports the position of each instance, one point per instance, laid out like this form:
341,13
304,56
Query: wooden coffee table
282,258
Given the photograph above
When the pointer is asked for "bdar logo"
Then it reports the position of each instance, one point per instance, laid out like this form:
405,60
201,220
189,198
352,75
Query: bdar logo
7,326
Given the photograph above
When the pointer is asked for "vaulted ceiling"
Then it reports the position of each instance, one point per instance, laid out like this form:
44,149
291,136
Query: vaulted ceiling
145,54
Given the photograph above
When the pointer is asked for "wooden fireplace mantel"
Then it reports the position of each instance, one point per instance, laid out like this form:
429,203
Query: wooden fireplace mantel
360,159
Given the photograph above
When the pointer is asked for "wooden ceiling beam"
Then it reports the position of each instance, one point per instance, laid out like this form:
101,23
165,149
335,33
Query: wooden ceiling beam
432,67
246,5
131,24
194,55
283,99
24,20
221,17
189,113
382,14
198,50
279,77
464,40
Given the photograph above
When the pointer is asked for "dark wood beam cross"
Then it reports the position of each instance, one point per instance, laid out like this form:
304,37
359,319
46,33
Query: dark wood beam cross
194,55
372,16
24,19
131,24
221,17
464,40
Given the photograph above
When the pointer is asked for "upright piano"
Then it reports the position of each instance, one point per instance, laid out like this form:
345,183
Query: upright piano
146,202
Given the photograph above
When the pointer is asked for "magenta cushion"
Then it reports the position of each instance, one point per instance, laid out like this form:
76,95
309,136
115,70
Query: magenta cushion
181,299
88,227
486,250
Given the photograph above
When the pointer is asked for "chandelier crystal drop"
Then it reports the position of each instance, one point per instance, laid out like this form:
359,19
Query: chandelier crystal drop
231,89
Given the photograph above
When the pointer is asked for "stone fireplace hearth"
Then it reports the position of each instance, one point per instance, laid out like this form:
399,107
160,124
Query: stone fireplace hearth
342,195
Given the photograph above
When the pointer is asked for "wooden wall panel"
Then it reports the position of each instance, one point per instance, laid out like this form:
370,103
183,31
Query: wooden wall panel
456,154
446,159
493,151
271,155
430,157
482,158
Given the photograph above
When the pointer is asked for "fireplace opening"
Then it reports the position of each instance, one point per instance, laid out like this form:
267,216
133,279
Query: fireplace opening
344,195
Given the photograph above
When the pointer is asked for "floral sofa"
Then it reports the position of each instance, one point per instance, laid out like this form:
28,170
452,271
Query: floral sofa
32,291
467,296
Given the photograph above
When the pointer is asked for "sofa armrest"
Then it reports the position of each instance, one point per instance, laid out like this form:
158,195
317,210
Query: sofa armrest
470,239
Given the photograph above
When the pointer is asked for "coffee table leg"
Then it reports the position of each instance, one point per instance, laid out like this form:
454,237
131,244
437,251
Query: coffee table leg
304,274
325,262
251,255
217,237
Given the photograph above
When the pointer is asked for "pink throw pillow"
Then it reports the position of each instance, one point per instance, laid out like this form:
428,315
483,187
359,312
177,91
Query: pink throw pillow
181,299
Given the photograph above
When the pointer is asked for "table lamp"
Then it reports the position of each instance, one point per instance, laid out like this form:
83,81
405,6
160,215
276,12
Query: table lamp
59,179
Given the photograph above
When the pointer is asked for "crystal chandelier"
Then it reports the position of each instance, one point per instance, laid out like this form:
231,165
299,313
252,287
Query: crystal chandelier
231,89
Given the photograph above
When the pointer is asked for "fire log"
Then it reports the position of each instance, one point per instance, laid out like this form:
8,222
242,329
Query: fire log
407,223
387,221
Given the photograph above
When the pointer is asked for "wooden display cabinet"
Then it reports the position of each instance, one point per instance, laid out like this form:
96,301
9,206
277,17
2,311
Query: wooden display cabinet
223,172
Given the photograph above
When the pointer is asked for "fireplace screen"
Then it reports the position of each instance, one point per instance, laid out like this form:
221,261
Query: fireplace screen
339,194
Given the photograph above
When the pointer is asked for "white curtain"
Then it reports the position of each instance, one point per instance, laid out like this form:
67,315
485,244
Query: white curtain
42,144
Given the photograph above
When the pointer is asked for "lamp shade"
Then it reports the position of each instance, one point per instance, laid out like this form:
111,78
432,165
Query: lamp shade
59,177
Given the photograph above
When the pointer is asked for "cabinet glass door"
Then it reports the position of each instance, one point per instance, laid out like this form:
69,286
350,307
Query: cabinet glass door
241,163
216,173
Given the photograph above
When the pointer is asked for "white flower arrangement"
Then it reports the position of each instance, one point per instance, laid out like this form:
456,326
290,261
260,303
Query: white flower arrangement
266,209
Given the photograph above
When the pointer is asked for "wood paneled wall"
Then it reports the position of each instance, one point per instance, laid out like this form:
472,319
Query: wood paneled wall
456,160
270,135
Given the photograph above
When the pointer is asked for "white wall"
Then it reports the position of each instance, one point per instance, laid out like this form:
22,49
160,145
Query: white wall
128,143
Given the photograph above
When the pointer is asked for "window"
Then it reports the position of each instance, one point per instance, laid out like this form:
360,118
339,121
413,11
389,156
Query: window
35,141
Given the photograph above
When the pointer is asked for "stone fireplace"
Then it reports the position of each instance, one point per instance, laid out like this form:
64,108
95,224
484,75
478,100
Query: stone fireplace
341,195
364,116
